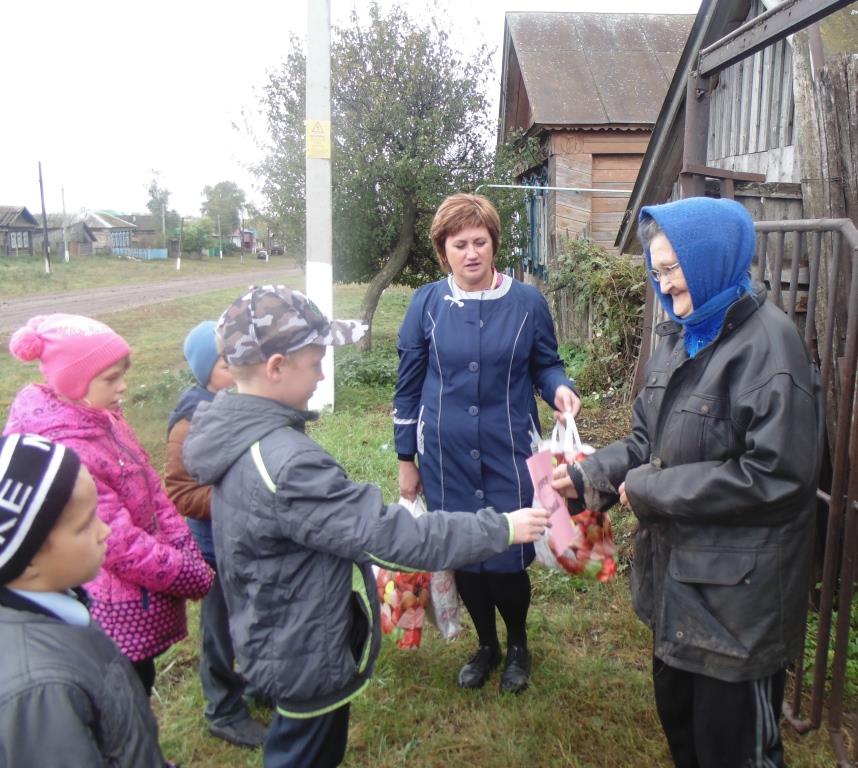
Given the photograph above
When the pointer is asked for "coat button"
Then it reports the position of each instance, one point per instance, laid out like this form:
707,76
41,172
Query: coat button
473,410
473,366
475,454
680,634
479,494
704,408
653,380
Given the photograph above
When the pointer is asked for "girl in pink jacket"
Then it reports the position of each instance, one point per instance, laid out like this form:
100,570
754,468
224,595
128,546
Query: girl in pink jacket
152,563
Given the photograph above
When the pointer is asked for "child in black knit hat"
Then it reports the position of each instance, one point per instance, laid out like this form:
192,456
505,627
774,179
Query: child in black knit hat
68,696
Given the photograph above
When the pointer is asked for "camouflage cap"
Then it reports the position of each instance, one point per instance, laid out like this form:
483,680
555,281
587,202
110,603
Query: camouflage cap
271,319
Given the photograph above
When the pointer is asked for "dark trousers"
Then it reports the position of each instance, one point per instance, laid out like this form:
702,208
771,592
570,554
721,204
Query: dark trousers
509,593
710,723
145,670
315,742
222,686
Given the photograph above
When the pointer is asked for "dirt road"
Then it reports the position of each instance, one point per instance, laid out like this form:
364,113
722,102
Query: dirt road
101,301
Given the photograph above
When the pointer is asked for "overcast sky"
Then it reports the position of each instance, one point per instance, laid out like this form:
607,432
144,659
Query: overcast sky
103,93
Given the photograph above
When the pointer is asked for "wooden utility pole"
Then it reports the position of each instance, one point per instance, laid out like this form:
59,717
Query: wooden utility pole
319,269
65,238
44,224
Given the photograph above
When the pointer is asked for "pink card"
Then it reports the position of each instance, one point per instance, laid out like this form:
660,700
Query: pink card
541,470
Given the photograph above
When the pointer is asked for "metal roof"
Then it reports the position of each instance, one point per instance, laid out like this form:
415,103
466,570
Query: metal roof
104,220
9,215
582,69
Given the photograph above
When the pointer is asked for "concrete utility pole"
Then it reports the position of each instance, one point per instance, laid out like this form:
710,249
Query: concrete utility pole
219,238
319,280
44,224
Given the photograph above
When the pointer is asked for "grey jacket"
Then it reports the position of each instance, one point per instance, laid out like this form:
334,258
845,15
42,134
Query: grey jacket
721,469
295,539
68,697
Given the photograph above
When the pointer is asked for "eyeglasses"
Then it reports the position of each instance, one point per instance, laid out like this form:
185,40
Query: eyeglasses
657,274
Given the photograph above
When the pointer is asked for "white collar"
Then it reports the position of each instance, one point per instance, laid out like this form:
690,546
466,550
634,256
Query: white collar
457,294
62,604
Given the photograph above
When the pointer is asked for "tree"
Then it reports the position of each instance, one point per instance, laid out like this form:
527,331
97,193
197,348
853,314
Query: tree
410,125
225,199
196,235
158,204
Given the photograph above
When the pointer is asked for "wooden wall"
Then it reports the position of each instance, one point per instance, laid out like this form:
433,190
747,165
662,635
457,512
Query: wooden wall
608,159
752,114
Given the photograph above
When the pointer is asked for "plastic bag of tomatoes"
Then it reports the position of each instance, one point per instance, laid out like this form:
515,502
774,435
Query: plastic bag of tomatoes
403,597
592,553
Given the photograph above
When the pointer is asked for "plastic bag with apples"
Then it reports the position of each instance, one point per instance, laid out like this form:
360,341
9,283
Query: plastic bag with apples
403,597
592,551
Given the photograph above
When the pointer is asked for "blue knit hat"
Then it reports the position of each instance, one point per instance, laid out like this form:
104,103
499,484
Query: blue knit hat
714,243
201,351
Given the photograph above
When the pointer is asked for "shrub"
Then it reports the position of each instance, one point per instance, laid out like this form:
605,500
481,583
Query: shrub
616,287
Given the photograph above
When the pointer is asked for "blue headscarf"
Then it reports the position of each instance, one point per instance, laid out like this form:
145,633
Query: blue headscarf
714,244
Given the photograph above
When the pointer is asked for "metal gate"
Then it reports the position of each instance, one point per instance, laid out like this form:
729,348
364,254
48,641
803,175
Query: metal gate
831,333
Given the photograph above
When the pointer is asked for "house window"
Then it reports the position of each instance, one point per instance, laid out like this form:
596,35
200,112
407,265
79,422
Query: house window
19,239
120,239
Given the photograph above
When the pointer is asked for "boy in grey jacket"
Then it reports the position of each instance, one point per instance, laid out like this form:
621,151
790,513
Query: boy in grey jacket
295,538
68,696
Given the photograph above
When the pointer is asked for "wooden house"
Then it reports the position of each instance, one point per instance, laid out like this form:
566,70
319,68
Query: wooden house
78,236
588,86
775,130
110,230
17,226
148,230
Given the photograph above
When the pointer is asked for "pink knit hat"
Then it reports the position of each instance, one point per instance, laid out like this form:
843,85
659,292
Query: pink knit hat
72,350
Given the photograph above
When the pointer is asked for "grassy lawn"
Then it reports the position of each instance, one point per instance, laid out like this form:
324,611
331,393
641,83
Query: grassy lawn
25,275
590,702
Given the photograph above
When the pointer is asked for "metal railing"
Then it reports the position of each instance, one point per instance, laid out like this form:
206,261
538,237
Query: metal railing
837,354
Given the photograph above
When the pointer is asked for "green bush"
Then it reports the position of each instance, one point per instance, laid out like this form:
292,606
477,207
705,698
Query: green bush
617,288
375,368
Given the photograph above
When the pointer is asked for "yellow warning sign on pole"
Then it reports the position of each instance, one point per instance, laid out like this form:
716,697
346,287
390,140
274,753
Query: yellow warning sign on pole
318,138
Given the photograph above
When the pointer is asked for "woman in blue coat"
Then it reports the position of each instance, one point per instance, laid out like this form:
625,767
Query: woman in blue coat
472,348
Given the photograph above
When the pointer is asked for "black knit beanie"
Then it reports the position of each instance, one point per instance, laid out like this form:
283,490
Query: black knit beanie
37,478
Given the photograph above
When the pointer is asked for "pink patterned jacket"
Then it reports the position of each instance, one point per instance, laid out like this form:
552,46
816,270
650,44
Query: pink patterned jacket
152,563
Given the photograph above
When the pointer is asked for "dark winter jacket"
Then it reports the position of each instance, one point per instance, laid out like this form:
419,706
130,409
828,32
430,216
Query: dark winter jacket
68,696
295,539
721,469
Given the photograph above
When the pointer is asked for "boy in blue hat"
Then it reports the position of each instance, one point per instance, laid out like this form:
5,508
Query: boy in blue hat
223,688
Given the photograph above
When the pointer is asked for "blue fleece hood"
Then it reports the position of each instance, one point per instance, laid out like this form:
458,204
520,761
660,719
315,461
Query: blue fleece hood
714,243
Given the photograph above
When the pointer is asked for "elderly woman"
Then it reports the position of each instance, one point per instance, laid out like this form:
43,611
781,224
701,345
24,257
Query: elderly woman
472,348
721,471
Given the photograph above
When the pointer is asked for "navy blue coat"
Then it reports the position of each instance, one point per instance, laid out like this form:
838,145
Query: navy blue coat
464,401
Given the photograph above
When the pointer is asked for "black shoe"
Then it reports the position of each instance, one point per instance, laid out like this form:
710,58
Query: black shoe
475,673
245,733
516,670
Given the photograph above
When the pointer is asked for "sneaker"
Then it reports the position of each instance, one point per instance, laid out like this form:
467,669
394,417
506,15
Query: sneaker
475,673
516,670
244,733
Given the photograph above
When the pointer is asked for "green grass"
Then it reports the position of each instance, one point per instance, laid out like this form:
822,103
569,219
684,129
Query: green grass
25,275
590,702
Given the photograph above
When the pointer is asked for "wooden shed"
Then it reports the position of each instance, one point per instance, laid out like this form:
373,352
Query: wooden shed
589,87
78,236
